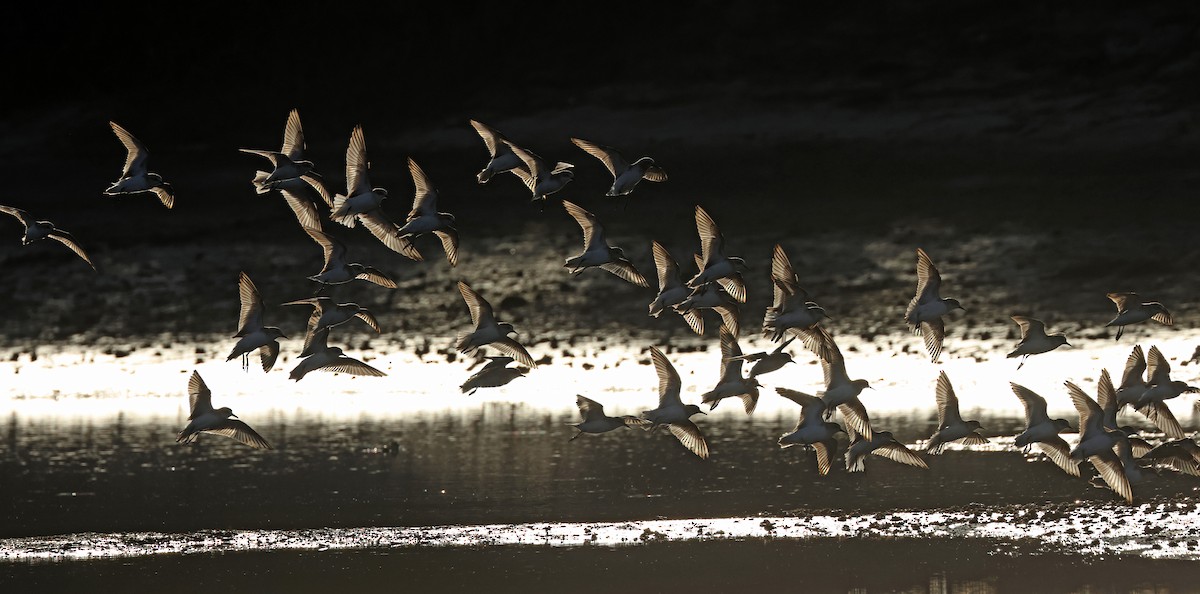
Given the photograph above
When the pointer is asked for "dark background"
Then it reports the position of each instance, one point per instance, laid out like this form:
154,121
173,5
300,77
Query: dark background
1065,129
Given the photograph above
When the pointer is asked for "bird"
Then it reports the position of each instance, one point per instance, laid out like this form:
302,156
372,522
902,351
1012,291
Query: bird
1106,397
252,334
791,311
1160,386
1096,443
595,421
812,429
1182,455
1034,339
625,175
841,393
336,270
502,157
488,331
1133,385
290,171
537,176
765,362
494,374
327,314
1042,430
363,203
671,290
951,426
135,179
732,384
597,252
1131,309
322,357
671,411
203,418
36,230
711,296
927,307
425,218
714,265
882,444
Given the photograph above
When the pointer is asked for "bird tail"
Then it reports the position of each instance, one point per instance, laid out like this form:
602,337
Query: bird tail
855,463
485,175
260,182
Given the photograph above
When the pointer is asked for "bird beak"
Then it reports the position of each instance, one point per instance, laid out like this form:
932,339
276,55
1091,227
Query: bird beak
232,416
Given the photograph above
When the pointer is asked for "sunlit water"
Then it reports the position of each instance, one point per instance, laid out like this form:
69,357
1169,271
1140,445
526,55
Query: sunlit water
88,447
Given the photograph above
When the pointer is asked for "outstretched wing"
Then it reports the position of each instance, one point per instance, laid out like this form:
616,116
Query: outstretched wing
66,239
357,164
669,384
711,241
199,396
1035,405
293,137
425,198
491,138
689,435
387,232
250,318
24,217
609,156
587,221
135,159
242,432
481,310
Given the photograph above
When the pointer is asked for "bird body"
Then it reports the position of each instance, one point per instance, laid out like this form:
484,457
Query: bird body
595,421
323,357
812,429
1096,443
36,230
488,331
1131,309
425,218
1034,339
597,252
732,384
252,334
672,413
502,157
1040,429
884,445
714,265
925,310
951,426
626,176
494,374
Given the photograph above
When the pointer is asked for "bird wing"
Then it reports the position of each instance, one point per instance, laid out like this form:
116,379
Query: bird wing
357,165
199,396
609,156
834,368
782,274
242,432
21,215
625,269
668,268
481,310
449,238
250,318
315,341
711,242
689,435
351,366
1109,466
589,409
592,230
1122,300
532,162
1135,366
734,285
369,319
1035,405
425,198
669,383
373,275
164,195
856,418
1090,414
731,352
68,240
314,182
306,211
897,452
1159,414
135,159
267,354
1059,453
1029,325
1163,317
694,321
947,402
268,155
1106,395
826,450
812,408
1158,370
333,249
491,138
655,173
515,350
933,332
817,340
293,137
386,231
929,282
730,317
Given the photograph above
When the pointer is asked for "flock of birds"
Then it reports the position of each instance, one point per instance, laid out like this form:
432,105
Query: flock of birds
1116,452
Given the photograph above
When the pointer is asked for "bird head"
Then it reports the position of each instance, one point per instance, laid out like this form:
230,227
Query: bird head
974,425
861,383
952,304
274,332
739,264
692,409
1062,425
225,412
